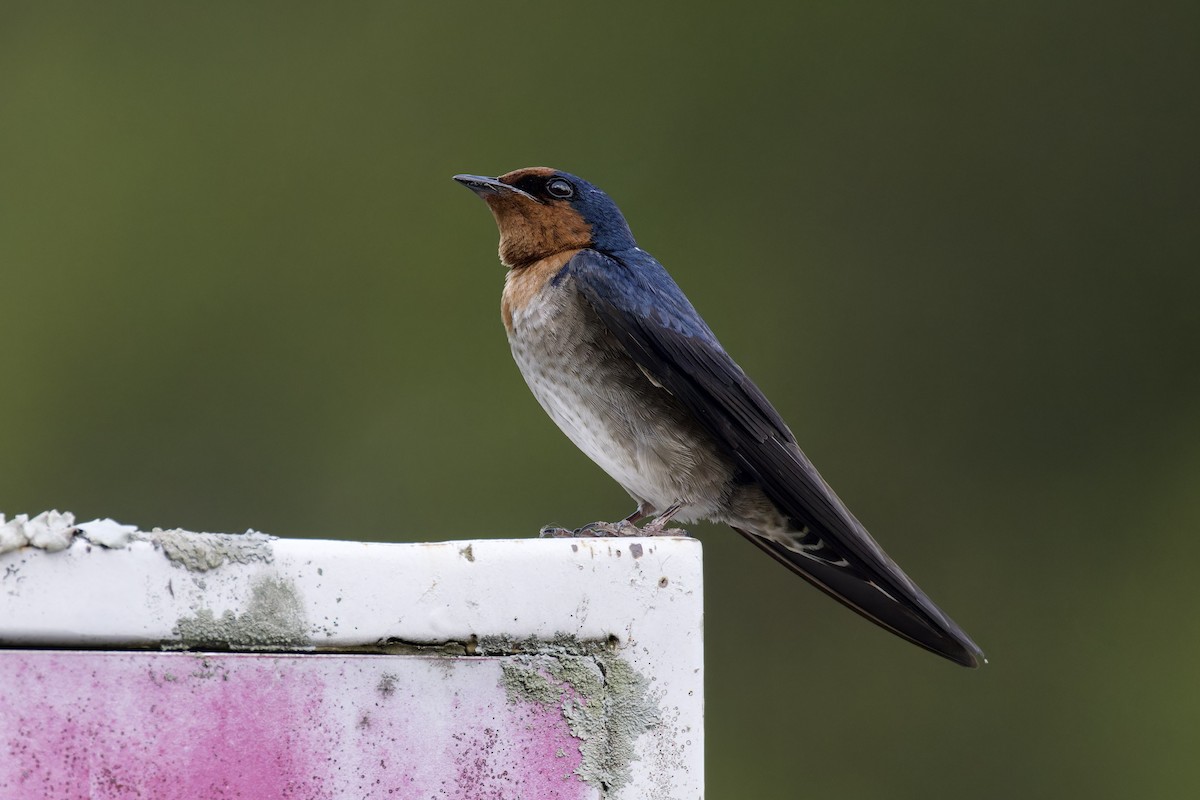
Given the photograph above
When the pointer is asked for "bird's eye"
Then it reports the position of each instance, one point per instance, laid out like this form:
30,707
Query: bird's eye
560,189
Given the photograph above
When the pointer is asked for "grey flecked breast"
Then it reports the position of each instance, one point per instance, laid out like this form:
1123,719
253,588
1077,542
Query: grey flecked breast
634,430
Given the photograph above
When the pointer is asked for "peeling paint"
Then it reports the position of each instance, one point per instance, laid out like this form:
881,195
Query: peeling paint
606,703
273,617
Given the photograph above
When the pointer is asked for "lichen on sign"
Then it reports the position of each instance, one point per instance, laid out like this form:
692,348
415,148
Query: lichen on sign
273,617
606,703
200,552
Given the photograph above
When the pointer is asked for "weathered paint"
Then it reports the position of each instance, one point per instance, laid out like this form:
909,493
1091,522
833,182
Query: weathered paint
594,645
180,725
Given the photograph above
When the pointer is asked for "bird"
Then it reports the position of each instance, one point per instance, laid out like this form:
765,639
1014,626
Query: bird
621,361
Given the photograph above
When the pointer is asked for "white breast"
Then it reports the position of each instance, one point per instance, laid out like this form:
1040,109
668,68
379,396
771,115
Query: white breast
632,429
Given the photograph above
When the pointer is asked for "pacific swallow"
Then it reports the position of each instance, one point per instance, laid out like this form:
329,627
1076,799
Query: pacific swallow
620,360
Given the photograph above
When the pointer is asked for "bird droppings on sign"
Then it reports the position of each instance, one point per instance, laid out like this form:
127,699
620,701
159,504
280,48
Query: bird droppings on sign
107,533
273,617
50,531
606,703
53,531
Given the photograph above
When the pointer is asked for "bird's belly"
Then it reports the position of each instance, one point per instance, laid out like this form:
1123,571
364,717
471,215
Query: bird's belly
635,431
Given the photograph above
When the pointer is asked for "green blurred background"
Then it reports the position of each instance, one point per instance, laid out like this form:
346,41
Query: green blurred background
956,243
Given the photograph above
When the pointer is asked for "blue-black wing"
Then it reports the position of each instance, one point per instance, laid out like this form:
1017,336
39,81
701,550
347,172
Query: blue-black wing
646,312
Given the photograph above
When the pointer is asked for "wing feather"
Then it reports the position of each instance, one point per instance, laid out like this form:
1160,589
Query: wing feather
643,308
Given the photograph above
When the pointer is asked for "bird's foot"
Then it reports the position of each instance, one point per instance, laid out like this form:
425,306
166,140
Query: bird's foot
621,528
659,526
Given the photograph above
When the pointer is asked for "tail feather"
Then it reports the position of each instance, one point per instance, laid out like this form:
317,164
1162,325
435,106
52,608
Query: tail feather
913,617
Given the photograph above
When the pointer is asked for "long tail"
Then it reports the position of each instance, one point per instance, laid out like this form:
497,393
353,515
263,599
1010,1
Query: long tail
898,605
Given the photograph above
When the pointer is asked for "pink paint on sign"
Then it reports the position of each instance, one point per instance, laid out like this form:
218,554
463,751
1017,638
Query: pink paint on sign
109,725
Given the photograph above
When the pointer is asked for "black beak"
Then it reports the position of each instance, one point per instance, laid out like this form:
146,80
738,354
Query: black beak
489,186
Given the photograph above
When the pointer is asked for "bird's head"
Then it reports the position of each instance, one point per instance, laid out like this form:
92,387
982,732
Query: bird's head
542,211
